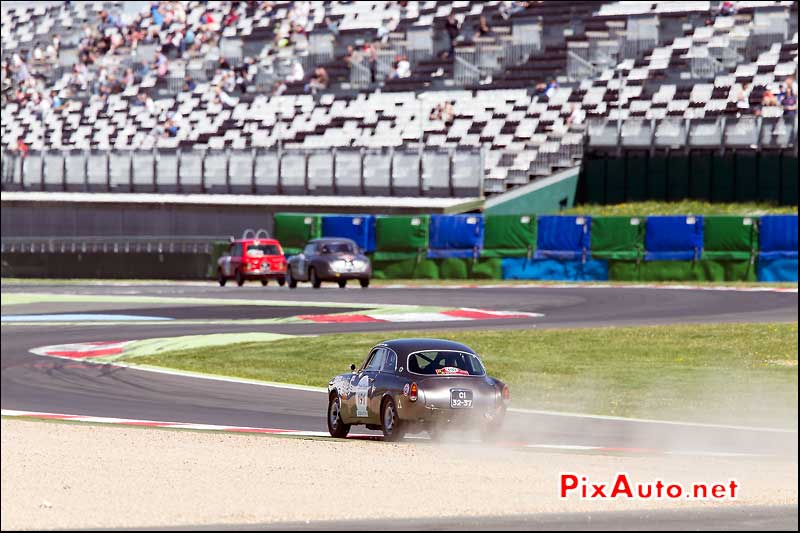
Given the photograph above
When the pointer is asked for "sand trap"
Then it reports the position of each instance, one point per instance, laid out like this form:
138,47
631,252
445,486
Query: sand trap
75,476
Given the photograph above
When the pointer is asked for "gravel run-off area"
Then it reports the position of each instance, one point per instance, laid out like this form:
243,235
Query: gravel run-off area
57,475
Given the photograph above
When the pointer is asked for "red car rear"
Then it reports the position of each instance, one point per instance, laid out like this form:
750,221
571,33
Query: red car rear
245,259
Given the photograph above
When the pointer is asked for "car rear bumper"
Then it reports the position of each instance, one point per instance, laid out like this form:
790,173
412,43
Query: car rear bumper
423,414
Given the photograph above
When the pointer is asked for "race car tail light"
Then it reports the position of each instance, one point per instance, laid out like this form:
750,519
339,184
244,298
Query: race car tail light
413,392
506,393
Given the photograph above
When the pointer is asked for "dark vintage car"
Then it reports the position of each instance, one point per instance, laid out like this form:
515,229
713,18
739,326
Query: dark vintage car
329,259
413,385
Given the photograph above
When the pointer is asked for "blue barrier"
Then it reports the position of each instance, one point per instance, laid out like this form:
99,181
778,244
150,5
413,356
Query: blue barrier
360,228
778,237
455,236
777,269
563,237
673,238
555,270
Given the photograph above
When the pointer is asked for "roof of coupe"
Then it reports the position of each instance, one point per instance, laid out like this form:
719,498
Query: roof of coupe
403,347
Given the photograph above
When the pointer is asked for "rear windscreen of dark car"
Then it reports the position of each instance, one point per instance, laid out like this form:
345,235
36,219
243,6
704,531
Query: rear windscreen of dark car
337,248
263,249
445,363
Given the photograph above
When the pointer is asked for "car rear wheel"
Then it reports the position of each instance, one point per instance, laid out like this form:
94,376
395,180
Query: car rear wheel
336,427
239,278
391,424
491,432
364,283
290,279
281,281
342,283
264,282
221,279
314,279
436,432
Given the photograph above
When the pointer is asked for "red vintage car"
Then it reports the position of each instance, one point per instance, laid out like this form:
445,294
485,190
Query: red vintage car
254,258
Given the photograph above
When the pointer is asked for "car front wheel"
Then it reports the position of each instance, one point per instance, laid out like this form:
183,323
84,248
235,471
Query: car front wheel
314,278
281,281
264,282
364,283
290,279
221,279
391,424
342,283
336,427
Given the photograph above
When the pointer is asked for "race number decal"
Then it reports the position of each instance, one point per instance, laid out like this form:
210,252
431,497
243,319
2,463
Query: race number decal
361,396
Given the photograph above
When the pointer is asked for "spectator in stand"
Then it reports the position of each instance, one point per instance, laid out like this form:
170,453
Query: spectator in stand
58,104
318,82
170,128
297,73
278,88
551,87
742,97
224,99
540,92
576,116
453,30
727,9
789,104
402,68
436,113
231,18
448,113
482,28
507,9
333,26
768,99
160,64
22,147
371,55
189,85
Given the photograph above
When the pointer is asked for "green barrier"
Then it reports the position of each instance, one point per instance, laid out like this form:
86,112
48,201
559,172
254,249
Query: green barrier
657,178
615,181
487,269
677,177
595,180
294,230
700,183
617,238
704,270
401,237
729,238
769,178
636,177
722,178
454,268
623,270
509,236
788,179
405,269
746,177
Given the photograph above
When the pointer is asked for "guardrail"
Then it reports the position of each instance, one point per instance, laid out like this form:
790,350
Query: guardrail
102,244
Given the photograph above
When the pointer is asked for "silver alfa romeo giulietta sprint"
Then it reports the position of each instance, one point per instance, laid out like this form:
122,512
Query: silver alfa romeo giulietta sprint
414,385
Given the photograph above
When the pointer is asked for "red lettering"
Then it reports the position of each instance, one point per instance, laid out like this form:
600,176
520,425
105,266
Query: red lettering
674,491
649,490
568,482
621,485
659,486
718,491
700,487
598,490
733,488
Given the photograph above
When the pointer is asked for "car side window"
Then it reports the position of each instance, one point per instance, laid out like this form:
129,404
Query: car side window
376,361
390,362
237,250
309,249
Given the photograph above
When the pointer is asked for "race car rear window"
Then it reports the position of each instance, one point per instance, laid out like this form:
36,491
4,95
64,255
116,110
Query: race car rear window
445,363
263,249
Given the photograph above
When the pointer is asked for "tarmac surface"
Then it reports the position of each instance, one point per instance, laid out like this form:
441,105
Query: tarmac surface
35,383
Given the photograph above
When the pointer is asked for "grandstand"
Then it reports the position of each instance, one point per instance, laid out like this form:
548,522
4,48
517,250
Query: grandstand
231,97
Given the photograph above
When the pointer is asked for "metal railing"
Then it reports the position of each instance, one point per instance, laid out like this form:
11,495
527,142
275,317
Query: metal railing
112,244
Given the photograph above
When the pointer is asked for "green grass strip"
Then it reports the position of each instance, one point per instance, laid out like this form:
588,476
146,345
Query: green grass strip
725,373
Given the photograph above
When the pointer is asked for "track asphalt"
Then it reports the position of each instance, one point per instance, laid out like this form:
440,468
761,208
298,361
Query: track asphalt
35,383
